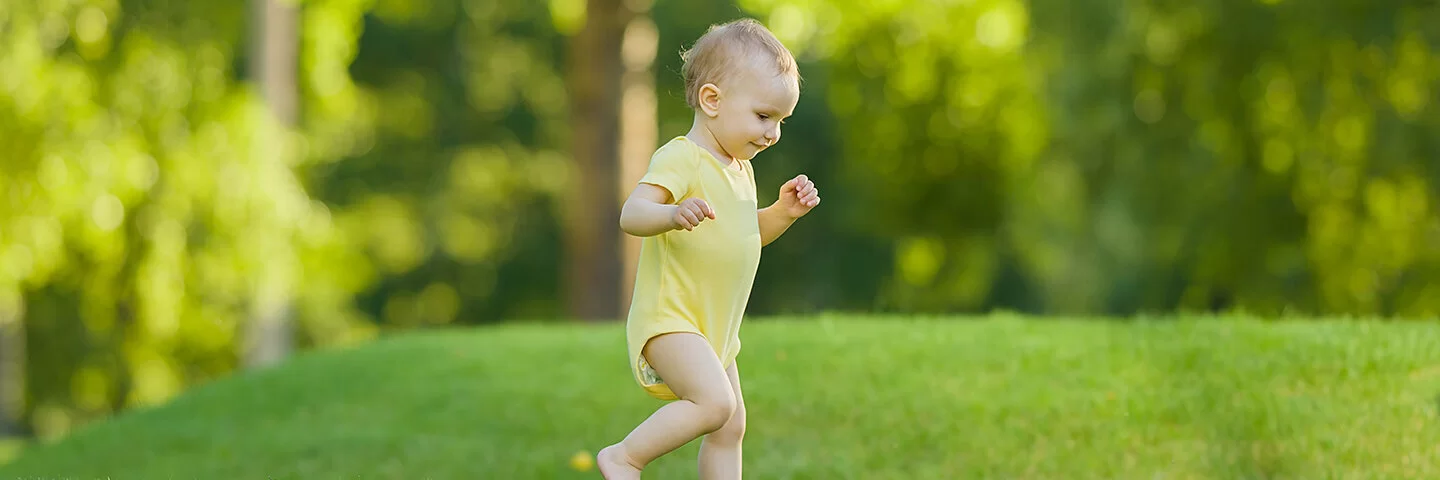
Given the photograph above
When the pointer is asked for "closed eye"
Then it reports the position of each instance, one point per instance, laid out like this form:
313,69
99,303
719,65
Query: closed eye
766,116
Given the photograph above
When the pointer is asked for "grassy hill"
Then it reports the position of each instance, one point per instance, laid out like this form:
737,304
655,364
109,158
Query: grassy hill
831,398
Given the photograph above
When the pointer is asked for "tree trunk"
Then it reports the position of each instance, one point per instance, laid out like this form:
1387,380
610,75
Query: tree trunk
12,369
593,269
638,129
274,40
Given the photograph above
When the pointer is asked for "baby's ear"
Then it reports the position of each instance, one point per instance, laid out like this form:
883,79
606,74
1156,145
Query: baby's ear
710,99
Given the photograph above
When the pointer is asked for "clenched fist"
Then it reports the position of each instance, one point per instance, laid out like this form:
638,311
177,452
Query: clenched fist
798,196
689,213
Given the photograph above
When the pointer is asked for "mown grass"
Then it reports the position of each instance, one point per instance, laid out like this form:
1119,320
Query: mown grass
828,398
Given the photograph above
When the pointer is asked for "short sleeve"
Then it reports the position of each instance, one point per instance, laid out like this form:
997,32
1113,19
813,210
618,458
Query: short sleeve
671,168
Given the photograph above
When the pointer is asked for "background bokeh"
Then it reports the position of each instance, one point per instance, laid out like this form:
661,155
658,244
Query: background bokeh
194,187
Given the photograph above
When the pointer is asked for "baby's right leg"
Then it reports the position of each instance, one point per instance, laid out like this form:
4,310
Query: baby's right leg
691,370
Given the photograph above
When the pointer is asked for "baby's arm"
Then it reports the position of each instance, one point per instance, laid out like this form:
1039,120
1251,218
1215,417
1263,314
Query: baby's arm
773,223
797,197
648,212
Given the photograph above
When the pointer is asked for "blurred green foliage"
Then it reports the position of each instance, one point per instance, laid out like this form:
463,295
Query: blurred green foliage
1094,157
1141,156
145,207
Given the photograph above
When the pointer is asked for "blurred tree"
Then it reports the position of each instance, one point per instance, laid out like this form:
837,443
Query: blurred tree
638,127
1116,158
438,143
593,252
12,373
268,338
141,220
593,80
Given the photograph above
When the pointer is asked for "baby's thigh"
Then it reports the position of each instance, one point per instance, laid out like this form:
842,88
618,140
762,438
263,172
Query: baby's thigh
689,367
733,374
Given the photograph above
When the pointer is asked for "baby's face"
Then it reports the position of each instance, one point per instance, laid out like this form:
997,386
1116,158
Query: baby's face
752,107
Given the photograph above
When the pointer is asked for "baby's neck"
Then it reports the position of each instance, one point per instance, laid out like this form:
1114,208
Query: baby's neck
701,136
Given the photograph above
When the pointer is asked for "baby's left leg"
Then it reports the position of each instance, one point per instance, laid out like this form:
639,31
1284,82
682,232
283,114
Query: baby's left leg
720,450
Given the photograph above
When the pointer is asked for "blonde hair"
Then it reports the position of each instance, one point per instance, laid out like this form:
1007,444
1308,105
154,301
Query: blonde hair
724,48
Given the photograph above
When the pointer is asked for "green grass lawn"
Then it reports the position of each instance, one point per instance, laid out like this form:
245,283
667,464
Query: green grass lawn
828,398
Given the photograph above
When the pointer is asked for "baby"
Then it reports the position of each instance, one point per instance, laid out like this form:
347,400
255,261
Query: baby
702,232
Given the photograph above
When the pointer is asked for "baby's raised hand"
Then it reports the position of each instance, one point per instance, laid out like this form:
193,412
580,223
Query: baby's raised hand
798,196
689,213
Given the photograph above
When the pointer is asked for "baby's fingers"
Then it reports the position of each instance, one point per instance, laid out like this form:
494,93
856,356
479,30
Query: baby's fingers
686,218
810,198
706,210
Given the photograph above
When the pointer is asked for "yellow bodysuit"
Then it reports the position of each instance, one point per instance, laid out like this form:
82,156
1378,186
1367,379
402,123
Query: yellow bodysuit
695,281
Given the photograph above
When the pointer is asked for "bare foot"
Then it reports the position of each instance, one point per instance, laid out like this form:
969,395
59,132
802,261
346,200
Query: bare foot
614,466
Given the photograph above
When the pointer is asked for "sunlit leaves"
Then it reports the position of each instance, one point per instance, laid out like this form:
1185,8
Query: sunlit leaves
339,118
568,16
1150,154
464,120
142,176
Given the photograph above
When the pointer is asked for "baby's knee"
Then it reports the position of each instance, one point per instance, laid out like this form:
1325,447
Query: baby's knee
715,411
733,431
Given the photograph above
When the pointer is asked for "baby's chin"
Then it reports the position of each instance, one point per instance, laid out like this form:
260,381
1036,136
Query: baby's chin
753,151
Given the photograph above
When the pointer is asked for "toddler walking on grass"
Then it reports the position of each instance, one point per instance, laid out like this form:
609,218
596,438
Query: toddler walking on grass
696,210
